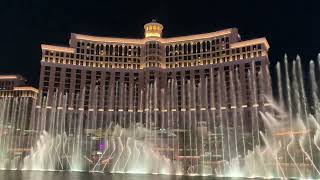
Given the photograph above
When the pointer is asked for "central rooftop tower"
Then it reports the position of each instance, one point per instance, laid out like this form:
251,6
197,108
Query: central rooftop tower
153,29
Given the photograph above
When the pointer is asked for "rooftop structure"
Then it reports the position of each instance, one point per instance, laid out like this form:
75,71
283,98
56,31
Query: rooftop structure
17,100
15,86
8,82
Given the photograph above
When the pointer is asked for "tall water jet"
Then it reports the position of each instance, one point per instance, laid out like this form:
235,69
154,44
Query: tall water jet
193,126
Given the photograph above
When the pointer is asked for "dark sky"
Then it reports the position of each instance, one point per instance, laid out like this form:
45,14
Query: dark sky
291,26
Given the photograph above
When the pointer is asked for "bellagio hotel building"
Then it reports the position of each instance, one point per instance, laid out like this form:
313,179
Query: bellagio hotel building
132,64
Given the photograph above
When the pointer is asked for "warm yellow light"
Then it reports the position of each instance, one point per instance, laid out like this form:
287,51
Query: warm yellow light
285,133
57,48
151,34
26,88
153,29
8,77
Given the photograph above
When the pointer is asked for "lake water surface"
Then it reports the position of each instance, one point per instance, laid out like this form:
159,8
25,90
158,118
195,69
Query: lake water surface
40,175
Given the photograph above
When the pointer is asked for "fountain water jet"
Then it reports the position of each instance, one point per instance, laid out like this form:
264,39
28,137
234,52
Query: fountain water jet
182,128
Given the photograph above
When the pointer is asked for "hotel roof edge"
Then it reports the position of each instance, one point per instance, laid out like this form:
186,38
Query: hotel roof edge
200,36
11,76
261,40
57,48
26,88
75,36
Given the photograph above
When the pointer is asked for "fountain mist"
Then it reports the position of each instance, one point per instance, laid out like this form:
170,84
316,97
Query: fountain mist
181,129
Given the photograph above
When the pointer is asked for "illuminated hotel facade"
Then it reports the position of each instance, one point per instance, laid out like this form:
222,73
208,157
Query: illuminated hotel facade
123,68
16,102
15,86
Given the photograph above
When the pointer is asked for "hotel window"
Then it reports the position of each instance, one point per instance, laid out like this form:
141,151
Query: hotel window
259,46
125,50
198,47
116,51
189,48
120,50
111,50
46,84
254,47
194,48
208,45
213,42
167,50
203,47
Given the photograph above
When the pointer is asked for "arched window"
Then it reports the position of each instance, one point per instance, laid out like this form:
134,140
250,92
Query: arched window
167,50
204,46
120,50
139,51
212,45
116,50
111,49
208,45
185,49
97,49
125,53
198,47
134,50
107,49
189,48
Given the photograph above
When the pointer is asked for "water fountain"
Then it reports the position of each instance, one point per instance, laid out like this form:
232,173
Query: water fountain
197,137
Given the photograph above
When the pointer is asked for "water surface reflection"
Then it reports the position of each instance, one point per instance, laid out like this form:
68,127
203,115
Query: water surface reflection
39,175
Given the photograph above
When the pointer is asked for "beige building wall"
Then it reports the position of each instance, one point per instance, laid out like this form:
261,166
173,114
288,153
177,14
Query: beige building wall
121,68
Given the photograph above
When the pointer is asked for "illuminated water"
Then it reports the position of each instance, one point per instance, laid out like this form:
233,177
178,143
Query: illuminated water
197,137
38,175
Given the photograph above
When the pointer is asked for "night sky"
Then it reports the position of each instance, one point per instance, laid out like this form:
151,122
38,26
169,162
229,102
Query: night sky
291,26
